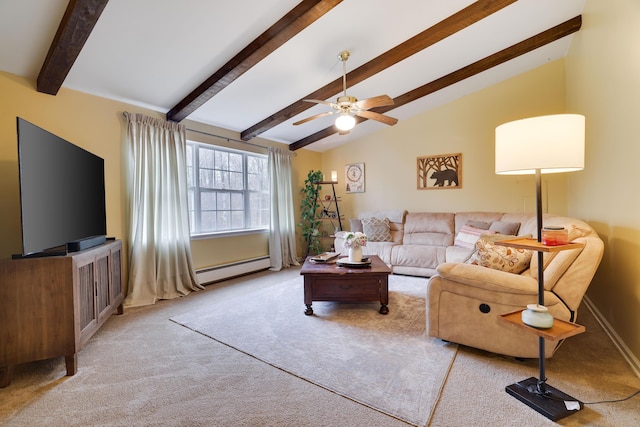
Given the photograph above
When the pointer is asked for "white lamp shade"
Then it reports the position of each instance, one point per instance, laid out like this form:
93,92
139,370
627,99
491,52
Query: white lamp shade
549,143
345,122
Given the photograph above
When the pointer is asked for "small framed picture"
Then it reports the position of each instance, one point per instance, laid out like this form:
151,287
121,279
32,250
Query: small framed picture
439,172
354,178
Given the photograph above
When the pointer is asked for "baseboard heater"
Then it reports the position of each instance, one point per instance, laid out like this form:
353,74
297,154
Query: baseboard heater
235,269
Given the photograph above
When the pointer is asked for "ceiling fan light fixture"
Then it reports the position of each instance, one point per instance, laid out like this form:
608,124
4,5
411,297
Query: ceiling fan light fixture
347,107
345,122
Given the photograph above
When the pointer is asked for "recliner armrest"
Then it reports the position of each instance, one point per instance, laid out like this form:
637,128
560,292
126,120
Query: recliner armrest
488,278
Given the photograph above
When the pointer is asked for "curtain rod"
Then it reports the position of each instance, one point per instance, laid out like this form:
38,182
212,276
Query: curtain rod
126,113
227,138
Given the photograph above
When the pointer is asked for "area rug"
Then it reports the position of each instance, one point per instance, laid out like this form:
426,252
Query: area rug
386,362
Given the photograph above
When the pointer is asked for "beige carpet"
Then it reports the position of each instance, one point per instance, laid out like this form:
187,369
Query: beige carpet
383,361
141,369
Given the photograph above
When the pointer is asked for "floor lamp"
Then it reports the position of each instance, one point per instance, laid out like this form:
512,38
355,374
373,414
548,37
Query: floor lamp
537,145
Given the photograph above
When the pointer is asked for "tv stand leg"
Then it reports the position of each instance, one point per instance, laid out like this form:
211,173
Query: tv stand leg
72,364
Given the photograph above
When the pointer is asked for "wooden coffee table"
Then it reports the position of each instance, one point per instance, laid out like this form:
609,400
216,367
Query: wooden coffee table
330,282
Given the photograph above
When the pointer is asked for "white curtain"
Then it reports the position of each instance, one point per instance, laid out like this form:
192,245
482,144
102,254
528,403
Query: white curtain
160,264
282,238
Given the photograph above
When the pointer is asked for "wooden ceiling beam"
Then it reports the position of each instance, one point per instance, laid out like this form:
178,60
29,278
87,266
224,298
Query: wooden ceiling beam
443,29
296,20
566,28
76,25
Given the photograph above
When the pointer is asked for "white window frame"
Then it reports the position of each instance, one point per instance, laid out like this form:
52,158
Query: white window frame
222,174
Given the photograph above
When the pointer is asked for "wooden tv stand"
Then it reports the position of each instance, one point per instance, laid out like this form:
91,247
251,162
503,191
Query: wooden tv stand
51,306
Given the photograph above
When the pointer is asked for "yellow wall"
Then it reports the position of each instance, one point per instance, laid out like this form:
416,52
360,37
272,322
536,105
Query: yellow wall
464,126
97,125
93,123
303,162
603,67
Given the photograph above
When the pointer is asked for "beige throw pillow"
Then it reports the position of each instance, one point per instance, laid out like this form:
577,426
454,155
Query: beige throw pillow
376,229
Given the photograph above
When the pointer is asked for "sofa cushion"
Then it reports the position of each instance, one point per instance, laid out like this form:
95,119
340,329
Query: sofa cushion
382,249
462,218
355,225
468,236
421,256
377,230
458,254
505,227
429,222
396,215
503,258
429,229
478,224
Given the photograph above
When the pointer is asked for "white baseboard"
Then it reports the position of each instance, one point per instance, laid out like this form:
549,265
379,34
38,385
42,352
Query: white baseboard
617,341
235,269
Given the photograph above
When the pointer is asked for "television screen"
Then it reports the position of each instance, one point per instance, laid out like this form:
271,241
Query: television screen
62,197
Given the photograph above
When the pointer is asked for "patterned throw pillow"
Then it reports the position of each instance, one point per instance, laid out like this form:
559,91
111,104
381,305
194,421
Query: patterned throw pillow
376,229
502,258
468,236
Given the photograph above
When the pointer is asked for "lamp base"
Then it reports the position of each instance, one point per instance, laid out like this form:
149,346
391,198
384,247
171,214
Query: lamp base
551,403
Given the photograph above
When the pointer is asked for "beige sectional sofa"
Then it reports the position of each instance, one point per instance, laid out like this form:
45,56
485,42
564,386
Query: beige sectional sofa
464,299
420,241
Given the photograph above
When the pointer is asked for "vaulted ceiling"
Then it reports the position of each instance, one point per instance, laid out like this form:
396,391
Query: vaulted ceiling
247,65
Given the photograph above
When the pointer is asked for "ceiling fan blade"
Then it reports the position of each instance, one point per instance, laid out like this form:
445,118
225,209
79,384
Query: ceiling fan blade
378,117
376,101
317,116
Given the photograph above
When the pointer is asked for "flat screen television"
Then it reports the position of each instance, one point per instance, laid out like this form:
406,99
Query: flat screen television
62,193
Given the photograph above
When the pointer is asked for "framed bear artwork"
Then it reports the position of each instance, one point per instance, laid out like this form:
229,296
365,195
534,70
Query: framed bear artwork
439,172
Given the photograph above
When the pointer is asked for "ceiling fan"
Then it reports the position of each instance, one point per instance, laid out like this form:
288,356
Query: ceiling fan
348,106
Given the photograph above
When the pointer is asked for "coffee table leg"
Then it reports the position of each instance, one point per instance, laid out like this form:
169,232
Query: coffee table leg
309,310
384,294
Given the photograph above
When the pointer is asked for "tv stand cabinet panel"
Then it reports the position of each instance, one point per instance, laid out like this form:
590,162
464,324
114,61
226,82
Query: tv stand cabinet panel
51,306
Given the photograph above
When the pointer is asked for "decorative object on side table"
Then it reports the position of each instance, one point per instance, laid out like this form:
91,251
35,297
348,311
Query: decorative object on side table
537,316
354,242
537,145
554,236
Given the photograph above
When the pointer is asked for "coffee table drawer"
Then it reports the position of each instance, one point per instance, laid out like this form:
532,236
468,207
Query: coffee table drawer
346,290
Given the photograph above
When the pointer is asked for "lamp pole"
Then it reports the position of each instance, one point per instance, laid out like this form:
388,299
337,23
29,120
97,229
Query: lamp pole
541,350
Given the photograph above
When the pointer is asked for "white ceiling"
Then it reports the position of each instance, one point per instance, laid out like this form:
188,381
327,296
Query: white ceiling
152,53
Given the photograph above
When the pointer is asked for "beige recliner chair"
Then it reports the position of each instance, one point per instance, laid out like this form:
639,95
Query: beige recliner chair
465,300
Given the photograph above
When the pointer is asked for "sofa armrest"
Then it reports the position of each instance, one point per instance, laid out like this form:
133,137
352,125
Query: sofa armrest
488,278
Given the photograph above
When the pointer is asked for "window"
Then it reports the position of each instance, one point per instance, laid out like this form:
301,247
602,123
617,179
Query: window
228,189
